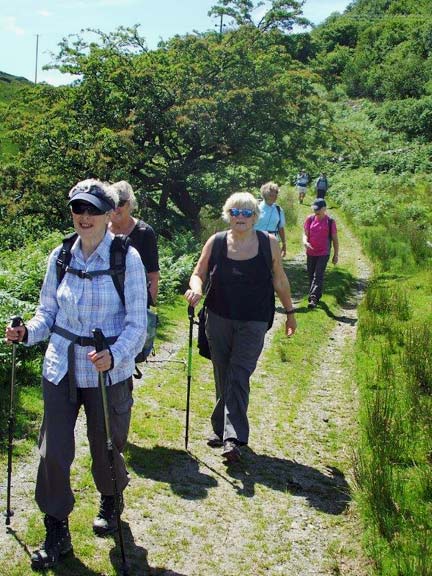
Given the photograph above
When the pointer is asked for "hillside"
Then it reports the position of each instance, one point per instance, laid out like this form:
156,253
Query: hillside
11,88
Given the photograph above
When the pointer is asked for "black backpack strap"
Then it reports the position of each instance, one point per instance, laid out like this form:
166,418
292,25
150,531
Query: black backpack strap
65,255
217,248
218,244
265,248
118,250
278,208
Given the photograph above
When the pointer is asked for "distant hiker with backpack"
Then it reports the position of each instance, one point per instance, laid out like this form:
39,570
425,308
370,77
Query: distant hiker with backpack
320,232
85,298
321,185
245,268
302,182
141,235
271,218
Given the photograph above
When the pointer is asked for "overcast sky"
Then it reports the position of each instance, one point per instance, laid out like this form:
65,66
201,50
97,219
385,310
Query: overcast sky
24,22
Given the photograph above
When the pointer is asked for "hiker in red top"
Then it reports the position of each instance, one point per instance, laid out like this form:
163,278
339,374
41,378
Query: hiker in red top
319,233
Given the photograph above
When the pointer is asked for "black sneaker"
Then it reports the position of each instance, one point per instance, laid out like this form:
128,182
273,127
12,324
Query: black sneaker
231,451
57,543
214,441
106,521
312,303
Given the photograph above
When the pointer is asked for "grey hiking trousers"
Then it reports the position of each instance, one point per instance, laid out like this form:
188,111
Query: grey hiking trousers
54,494
235,348
316,266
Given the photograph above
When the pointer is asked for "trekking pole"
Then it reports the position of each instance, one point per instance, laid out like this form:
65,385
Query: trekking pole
100,345
191,312
15,321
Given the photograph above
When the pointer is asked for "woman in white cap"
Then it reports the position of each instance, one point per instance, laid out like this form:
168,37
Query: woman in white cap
69,310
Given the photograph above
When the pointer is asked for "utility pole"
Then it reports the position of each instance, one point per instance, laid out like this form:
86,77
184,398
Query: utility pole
37,54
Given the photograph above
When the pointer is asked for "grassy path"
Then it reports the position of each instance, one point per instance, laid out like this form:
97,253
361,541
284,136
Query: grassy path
287,509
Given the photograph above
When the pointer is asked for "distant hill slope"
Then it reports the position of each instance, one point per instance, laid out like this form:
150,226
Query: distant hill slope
8,78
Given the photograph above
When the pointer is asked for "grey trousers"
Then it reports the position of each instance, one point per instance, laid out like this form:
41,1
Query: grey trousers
316,266
235,348
54,494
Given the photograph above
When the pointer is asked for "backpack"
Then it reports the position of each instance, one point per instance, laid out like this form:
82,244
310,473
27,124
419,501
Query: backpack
118,250
265,248
330,224
322,184
278,208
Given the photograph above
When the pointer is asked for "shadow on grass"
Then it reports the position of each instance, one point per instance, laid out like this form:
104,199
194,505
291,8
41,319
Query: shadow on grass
174,467
69,565
136,557
330,314
298,278
338,282
329,493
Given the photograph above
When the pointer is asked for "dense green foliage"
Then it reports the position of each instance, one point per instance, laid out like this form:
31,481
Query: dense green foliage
207,114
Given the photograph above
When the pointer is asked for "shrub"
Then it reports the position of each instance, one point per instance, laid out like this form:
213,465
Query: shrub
416,355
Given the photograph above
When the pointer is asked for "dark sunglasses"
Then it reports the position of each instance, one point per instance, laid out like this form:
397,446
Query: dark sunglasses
246,212
82,207
122,203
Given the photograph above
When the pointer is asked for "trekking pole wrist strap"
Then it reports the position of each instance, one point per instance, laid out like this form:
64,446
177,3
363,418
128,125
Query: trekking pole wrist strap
288,312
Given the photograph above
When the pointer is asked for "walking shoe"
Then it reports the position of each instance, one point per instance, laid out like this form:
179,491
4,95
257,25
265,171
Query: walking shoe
231,451
312,303
214,441
57,543
106,521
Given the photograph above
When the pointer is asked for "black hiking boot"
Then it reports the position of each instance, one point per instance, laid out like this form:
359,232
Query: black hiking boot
106,521
57,543
215,441
231,451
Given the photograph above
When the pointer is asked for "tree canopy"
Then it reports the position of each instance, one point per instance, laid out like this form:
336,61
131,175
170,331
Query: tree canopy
186,124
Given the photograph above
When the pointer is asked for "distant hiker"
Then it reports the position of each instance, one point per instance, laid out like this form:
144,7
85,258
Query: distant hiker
86,298
245,268
319,233
141,235
321,185
302,182
272,217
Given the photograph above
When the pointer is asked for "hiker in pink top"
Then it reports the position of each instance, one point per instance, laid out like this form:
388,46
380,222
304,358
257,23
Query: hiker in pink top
319,233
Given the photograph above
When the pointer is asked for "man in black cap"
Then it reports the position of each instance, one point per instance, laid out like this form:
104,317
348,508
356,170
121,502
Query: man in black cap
319,233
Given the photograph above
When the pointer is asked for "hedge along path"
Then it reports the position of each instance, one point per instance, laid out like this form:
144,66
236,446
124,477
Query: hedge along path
286,509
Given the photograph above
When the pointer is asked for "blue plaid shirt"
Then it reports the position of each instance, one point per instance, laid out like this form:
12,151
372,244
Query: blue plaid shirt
80,305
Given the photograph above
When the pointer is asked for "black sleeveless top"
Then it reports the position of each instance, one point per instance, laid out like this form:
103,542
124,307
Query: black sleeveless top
241,289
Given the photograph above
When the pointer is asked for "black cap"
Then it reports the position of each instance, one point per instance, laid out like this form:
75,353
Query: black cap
319,203
93,192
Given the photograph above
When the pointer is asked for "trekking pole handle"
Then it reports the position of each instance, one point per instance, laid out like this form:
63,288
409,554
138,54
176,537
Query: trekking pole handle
191,312
99,339
16,321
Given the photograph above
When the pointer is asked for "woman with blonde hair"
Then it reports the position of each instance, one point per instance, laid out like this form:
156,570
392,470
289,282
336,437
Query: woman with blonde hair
240,307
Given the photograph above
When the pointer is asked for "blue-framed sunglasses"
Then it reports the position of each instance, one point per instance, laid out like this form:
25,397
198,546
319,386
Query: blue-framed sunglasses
246,212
